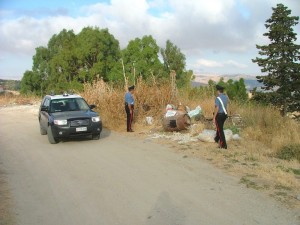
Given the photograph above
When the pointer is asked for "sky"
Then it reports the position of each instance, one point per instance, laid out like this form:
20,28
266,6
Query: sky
217,37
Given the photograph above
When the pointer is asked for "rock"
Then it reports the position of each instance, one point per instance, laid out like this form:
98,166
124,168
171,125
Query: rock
209,135
236,137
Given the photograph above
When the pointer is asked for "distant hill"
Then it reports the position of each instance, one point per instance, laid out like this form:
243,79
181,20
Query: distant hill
13,85
202,80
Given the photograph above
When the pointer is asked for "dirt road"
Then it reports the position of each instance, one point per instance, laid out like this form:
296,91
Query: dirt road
120,180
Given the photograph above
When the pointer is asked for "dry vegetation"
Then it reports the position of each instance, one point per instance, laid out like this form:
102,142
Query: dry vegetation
9,98
259,123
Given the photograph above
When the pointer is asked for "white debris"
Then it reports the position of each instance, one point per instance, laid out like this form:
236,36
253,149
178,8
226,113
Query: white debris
170,113
209,135
196,112
205,136
149,120
176,136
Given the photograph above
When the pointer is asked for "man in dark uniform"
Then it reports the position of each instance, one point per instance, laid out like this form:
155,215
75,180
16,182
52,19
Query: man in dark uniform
129,107
220,115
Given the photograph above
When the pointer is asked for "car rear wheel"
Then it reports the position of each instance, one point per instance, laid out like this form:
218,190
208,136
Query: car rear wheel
51,139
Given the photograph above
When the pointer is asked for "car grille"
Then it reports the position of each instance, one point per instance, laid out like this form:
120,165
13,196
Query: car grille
79,123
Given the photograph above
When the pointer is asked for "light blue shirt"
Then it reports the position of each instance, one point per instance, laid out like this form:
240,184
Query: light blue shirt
129,98
224,99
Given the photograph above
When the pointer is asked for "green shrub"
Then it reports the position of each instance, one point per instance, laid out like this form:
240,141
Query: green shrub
289,152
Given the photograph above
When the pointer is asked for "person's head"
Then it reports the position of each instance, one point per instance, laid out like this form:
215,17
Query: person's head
219,88
131,88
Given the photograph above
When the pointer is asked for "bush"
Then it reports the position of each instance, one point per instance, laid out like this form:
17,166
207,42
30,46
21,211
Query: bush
289,152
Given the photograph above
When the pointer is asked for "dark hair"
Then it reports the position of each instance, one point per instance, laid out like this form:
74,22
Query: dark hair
131,88
219,88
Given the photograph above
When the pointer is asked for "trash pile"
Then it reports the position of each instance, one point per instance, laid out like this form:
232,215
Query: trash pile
178,119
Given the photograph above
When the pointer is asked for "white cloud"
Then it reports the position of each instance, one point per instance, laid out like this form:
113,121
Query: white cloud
209,63
235,64
195,26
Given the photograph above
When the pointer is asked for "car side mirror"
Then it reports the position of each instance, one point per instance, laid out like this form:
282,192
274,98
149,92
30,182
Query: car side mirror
44,108
93,106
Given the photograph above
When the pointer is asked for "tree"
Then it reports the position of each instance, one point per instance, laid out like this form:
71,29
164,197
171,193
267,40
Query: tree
236,90
281,62
61,62
97,52
69,60
175,60
141,58
30,83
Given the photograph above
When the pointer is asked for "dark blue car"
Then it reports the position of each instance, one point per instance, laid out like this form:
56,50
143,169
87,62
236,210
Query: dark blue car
68,116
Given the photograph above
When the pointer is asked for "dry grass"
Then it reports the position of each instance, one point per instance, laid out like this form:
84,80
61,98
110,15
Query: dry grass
14,98
150,100
259,123
264,124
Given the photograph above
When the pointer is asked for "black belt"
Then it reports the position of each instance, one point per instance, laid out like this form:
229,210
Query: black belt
127,104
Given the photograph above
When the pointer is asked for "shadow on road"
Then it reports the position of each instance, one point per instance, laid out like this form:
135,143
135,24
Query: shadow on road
165,212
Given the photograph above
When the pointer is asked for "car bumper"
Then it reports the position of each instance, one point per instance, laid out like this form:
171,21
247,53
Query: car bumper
94,128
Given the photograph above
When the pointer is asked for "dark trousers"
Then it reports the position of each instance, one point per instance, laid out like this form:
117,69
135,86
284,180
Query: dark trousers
129,117
220,119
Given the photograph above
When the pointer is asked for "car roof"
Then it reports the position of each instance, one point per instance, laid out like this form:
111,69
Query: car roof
63,96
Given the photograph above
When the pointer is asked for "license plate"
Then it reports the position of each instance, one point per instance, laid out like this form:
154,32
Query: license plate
78,129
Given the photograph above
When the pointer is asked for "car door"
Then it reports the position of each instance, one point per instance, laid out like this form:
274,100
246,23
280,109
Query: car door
44,114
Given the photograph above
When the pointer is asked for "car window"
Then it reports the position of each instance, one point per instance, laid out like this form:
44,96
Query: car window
46,102
82,104
68,104
57,105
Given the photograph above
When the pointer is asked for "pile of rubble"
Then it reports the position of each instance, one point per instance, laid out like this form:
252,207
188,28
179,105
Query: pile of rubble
179,119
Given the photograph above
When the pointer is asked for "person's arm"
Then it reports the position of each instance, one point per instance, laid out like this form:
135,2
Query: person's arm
227,107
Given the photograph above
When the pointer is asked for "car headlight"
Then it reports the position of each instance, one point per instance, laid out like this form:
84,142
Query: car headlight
60,122
96,119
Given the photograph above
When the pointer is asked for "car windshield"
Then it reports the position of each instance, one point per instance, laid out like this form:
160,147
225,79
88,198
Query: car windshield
68,104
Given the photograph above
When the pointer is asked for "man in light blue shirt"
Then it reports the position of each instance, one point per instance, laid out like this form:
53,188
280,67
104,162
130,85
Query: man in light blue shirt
220,115
129,107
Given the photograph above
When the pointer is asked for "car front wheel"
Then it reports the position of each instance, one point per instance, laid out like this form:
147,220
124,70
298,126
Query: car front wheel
51,139
95,136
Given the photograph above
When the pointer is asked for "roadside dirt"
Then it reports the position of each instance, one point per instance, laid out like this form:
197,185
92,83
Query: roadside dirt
124,179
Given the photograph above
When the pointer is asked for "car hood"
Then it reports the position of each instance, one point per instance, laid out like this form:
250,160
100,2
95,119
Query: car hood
74,114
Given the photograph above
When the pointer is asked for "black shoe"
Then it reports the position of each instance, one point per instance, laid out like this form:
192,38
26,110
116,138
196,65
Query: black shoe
216,140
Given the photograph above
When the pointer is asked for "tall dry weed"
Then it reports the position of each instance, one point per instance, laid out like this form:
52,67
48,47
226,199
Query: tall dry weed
259,123
266,125
150,100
